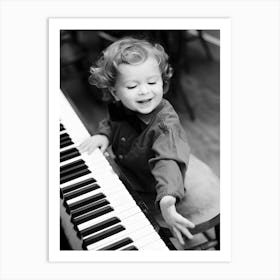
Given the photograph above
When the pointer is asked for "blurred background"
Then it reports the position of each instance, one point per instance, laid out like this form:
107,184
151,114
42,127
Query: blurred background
194,91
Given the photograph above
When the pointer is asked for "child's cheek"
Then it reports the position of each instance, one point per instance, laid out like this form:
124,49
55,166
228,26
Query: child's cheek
159,87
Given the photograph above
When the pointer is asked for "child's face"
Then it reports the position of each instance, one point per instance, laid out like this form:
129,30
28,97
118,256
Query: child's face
139,87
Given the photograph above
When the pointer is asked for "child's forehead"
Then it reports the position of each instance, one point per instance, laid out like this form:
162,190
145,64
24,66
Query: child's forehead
149,66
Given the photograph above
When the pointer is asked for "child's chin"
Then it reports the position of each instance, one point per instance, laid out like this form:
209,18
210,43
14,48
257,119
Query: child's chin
145,110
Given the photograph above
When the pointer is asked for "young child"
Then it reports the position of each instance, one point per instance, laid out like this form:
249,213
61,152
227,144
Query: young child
143,128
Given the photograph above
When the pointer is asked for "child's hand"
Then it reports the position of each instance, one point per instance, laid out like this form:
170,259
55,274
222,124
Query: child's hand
177,223
96,141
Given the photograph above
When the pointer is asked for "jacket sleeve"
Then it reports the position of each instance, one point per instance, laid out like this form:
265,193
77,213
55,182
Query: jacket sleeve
169,164
105,128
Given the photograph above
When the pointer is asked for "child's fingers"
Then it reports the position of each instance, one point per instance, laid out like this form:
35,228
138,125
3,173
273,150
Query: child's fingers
180,219
185,231
86,141
91,149
84,145
82,148
88,146
178,235
85,148
103,148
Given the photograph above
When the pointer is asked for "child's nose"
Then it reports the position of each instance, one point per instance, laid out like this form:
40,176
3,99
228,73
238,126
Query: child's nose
144,89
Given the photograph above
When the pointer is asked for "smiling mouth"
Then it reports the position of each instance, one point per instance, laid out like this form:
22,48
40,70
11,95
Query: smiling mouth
144,101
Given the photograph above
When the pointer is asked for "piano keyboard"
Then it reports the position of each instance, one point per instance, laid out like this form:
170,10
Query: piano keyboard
103,214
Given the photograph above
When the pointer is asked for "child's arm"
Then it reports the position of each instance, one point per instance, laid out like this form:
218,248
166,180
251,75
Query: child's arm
168,166
177,223
93,142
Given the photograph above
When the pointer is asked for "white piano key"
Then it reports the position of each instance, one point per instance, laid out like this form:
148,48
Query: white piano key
133,231
108,190
63,163
114,197
153,246
94,159
76,180
104,190
109,176
136,217
103,174
109,182
96,155
109,186
117,237
71,122
68,147
100,167
132,224
118,198
121,212
144,240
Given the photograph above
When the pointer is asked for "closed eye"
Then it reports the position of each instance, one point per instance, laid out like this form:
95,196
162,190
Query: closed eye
152,83
131,87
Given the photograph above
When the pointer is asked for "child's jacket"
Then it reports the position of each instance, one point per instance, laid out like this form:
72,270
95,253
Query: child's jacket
153,147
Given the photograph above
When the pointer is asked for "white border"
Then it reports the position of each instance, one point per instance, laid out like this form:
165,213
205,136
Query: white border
223,24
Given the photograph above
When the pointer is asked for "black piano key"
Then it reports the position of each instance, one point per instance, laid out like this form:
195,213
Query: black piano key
89,207
131,248
78,185
62,127
102,235
84,201
99,226
118,244
67,168
78,173
64,139
64,136
65,143
92,215
68,154
81,191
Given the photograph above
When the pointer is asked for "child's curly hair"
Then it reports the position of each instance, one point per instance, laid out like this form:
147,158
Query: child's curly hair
129,51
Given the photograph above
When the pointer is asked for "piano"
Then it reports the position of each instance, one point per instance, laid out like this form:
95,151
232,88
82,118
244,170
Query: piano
98,210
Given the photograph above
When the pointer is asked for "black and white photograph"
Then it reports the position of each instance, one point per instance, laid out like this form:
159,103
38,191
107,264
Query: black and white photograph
139,138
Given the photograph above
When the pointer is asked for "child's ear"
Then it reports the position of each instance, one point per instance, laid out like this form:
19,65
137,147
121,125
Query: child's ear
113,92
